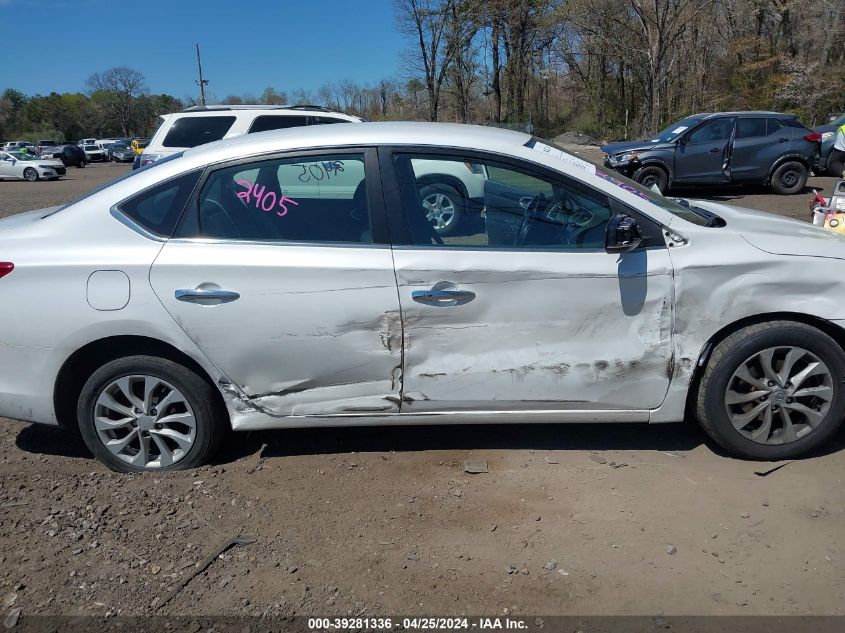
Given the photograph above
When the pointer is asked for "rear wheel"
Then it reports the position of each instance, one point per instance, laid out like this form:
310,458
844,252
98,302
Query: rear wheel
444,206
773,390
30,174
651,176
836,164
789,178
148,413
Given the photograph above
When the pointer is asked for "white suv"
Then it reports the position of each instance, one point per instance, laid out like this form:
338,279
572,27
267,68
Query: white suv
203,124
450,192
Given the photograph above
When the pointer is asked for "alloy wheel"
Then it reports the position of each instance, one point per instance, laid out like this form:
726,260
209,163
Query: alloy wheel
779,395
440,210
145,421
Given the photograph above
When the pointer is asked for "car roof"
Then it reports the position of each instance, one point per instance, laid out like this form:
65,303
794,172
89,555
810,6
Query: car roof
445,135
247,106
744,113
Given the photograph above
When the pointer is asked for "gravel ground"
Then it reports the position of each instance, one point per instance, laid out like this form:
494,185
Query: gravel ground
570,519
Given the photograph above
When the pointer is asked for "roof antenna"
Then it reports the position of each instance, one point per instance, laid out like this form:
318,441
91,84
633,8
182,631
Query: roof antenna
202,83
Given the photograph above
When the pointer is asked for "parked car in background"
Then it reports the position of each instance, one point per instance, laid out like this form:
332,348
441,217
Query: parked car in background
87,141
27,166
69,153
167,332
14,146
93,153
203,124
45,143
138,145
828,132
722,148
121,153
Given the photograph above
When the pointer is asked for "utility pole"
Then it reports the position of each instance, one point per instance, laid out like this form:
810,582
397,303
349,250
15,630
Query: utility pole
202,83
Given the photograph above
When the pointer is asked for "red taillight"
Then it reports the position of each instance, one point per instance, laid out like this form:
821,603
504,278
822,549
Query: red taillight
6,268
814,137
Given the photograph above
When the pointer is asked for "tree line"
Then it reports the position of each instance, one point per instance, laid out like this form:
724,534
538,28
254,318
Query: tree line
608,68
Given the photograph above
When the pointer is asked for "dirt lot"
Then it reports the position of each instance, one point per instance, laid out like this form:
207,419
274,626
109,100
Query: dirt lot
570,519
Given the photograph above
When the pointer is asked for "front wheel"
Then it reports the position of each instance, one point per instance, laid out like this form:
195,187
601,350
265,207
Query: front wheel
444,207
30,174
789,178
773,390
148,413
653,176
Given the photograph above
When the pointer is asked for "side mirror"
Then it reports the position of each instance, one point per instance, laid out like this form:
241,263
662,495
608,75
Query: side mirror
682,139
623,234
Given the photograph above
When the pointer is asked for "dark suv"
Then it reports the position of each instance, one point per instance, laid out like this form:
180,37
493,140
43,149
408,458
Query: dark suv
69,154
726,147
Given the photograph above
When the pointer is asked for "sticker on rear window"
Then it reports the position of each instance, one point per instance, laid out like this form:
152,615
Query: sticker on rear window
569,159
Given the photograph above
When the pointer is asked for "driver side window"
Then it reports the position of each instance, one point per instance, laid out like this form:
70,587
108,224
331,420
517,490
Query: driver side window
452,202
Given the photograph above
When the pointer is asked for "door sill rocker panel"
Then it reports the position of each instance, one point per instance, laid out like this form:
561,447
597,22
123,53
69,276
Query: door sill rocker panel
255,420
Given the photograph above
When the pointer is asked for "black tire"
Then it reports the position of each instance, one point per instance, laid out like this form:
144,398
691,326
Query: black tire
81,164
653,175
836,164
726,358
211,423
30,174
454,198
789,178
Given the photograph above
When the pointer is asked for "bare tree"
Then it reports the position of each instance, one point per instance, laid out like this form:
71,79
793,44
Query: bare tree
426,21
119,88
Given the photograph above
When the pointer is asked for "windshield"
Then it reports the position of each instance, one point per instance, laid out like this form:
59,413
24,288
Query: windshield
131,174
90,148
676,129
667,204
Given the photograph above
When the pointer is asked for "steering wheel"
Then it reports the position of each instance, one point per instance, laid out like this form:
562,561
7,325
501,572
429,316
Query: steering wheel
527,218
225,215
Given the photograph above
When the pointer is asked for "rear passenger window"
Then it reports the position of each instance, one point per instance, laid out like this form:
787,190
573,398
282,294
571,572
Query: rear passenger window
773,126
311,199
751,128
276,122
191,131
158,209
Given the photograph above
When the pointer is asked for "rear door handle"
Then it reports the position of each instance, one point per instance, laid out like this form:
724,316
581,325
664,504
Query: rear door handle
443,298
782,140
198,295
716,149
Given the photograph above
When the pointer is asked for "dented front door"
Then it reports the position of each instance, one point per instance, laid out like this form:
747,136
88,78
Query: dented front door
522,308
537,331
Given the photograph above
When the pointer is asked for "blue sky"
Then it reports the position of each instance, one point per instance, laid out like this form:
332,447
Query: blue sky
246,45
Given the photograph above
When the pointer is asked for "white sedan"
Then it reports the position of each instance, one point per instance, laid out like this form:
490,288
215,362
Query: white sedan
235,286
26,166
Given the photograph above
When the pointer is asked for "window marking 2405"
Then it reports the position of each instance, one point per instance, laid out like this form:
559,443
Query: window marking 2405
262,197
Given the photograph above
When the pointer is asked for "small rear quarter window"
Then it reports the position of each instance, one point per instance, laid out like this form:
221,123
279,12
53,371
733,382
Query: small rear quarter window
158,209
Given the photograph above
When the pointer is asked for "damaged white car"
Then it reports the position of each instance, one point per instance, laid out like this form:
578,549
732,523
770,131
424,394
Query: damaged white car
293,279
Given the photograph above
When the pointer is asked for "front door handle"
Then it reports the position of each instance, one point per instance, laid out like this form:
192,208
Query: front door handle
443,298
210,295
716,149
